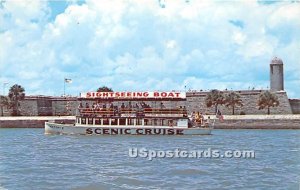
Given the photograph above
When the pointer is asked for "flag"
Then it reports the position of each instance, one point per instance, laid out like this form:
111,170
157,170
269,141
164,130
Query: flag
219,115
68,80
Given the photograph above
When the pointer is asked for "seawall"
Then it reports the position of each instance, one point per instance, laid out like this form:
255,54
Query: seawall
258,122
32,121
230,122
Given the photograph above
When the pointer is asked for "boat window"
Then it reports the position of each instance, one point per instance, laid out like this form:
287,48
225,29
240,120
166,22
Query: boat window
130,121
122,121
114,121
139,121
158,122
165,122
172,122
148,122
83,121
97,121
105,121
161,122
90,121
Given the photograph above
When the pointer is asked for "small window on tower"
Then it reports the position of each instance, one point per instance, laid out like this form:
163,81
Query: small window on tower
271,69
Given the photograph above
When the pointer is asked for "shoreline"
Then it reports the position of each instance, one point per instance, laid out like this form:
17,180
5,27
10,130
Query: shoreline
32,121
230,121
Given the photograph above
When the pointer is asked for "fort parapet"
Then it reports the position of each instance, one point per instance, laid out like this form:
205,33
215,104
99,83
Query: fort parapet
48,106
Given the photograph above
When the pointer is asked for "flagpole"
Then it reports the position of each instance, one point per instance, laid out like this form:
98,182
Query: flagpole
64,86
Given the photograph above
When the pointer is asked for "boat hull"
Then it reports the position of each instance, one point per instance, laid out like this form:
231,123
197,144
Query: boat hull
69,129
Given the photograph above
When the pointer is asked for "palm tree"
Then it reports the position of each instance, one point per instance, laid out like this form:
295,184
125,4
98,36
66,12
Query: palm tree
267,100
214,97
3,102
232,100
16,93
104,89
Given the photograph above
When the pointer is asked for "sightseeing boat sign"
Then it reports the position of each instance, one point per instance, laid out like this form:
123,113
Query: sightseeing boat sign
133,95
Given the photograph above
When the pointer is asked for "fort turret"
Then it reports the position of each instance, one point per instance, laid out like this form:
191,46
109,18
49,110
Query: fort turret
276,74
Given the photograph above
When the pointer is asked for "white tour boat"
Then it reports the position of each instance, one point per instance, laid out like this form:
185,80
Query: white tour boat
131,120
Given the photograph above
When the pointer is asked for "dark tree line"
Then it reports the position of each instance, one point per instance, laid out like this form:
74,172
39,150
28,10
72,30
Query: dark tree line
104,89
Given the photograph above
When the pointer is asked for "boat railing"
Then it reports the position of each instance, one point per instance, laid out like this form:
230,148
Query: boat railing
165,112
91,111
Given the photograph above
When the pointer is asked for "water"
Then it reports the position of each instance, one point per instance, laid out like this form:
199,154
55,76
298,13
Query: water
31,160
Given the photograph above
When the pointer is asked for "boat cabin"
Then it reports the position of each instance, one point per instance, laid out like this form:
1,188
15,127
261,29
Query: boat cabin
130,117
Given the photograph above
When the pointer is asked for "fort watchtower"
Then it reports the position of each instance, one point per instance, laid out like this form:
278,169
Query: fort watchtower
276,74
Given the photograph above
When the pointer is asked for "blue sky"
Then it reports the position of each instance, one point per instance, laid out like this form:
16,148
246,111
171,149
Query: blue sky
140,45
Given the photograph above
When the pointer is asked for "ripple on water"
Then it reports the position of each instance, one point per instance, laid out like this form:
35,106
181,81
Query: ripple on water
131,181
31,160
94,186
188,172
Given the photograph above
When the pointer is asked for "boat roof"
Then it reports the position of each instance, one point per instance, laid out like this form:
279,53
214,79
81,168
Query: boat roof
134,96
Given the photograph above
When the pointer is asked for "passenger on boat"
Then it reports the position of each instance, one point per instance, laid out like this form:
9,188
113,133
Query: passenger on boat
198,118
129,105
201,118
94,106
87,105
208,120
116,110
171,123
80,106
144,105
192,118
98,106
123,105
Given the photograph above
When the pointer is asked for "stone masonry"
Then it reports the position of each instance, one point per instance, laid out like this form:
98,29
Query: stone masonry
196,102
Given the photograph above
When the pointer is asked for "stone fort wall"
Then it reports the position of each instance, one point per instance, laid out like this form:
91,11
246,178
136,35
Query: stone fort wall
196,102
295,105
47,106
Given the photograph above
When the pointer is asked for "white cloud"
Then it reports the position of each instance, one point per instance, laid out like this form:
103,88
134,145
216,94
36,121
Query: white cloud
25,10
132,45
239,38
287,13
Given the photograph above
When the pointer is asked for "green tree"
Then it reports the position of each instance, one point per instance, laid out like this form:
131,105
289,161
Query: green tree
267,100
3,102
232,100
214,98
16,94
104,89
